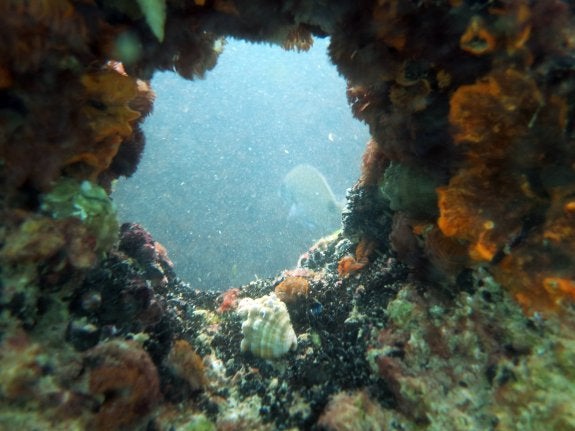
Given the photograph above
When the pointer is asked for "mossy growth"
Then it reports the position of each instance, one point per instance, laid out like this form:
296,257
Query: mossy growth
410,190
541,393
198,422
400,311
88,202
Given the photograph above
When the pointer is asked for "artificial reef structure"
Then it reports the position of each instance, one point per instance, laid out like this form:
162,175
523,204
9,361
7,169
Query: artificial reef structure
446,301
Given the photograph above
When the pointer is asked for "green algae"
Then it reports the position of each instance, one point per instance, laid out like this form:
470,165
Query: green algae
87,202
128,48
410,190
155,13
400,311
475,363
198,422
540,391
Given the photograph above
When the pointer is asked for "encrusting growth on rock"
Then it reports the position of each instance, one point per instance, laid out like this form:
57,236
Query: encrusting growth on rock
463,318
292,289
125,379
187,364
349,264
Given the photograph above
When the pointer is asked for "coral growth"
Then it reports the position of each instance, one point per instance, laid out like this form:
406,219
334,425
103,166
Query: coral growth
500,121
292,289
349,264
299,39
229,300
484,120
137,243
22,367
107,113
443,361
352,411
76,226
88,203
469,177
187,364
526,395
40,239
373,163
125,381
117,297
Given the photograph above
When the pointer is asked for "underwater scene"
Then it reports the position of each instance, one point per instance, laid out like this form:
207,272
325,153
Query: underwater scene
318,215
222,183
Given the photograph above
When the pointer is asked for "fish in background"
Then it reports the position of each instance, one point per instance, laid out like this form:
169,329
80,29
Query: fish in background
311,200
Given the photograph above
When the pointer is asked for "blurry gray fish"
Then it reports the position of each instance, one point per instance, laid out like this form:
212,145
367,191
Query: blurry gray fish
312,203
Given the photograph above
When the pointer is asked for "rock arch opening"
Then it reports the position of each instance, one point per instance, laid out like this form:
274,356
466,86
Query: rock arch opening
470,104
209,186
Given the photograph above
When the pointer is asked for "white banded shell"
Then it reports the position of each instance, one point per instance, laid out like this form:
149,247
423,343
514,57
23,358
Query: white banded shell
267,330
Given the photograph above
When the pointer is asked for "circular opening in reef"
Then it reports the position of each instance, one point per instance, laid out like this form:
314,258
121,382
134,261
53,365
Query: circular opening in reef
212,183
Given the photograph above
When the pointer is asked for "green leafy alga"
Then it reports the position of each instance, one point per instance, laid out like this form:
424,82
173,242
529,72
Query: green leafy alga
88,202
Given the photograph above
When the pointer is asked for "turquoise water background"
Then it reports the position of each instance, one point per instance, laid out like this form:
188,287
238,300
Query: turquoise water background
217,150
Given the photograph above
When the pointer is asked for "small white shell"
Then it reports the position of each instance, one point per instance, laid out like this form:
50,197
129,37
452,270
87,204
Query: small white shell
267,330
